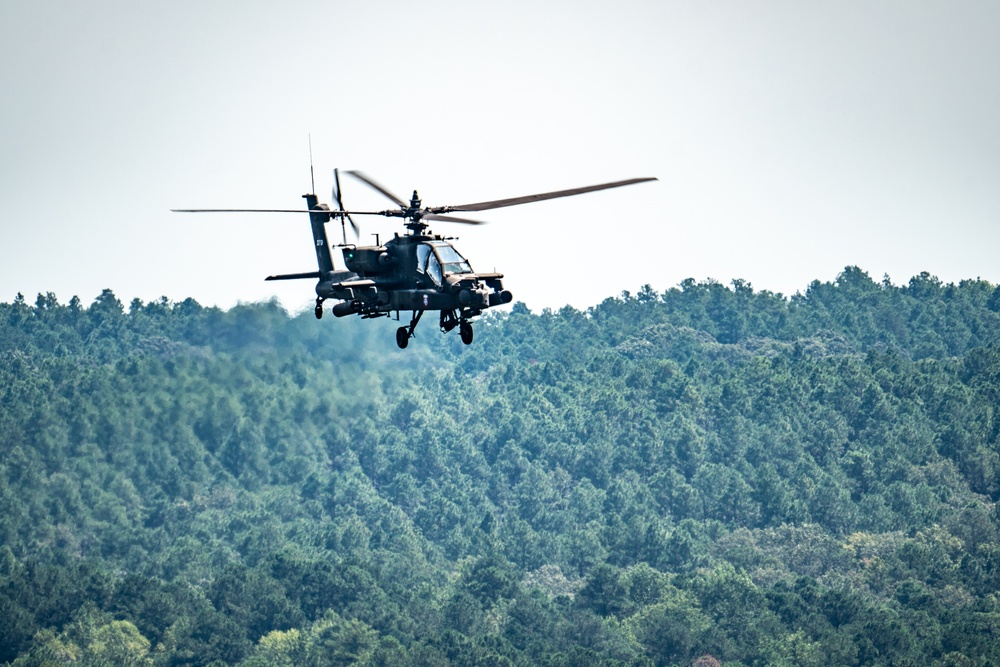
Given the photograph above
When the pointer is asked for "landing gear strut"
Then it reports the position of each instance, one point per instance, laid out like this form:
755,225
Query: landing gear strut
403,334
319,308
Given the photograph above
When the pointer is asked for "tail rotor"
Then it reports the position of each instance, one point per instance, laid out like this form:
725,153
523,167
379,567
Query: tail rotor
340,207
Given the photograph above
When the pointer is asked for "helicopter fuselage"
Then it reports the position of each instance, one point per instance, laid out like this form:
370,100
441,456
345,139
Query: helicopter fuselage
415,272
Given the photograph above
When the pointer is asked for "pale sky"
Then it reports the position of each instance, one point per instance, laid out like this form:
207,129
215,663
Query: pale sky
791,139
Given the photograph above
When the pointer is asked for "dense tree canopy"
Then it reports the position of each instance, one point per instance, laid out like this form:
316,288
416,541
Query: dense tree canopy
708,475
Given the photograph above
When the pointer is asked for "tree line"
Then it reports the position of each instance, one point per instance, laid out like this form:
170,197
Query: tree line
705,475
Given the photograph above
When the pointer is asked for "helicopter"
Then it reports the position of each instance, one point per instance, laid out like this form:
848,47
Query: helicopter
416,271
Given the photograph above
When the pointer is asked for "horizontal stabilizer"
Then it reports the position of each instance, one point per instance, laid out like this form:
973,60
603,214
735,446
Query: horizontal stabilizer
294,276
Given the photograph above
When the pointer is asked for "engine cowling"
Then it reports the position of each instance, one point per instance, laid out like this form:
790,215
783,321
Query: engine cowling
367,261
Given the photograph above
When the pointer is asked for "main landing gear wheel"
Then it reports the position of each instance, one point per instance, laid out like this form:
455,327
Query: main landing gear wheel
402,337
403,334
319,309
465,331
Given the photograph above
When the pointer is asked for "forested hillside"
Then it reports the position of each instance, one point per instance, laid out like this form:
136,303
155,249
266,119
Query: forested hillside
706,476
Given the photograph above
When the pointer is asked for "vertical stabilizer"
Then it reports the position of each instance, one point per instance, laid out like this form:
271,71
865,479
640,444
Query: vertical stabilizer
319,214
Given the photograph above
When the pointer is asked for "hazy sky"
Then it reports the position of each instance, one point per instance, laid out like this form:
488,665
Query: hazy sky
791,139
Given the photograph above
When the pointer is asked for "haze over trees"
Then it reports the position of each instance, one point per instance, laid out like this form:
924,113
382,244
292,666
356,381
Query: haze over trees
709,475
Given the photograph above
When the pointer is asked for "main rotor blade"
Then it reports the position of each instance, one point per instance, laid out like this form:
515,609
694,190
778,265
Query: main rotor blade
336,214
372,184
514,201
451,218
238,210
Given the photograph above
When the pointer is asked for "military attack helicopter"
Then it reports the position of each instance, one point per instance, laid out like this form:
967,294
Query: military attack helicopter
417,271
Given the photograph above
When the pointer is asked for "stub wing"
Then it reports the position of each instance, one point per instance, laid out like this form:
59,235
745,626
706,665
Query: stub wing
334,283
355,284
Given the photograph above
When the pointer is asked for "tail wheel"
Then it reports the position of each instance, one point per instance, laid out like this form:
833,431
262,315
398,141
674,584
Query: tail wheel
402,337
465,331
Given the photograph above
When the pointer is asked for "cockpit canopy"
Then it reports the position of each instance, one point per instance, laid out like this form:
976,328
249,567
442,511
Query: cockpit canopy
439,258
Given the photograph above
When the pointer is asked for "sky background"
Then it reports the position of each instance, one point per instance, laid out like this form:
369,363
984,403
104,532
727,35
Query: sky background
791,139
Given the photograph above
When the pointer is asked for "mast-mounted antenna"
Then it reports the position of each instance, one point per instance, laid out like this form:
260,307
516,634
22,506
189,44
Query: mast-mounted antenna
312,177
